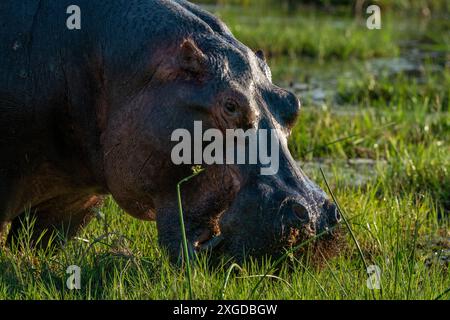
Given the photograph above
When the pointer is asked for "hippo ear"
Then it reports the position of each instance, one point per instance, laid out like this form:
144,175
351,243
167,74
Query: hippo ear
191,60
260,54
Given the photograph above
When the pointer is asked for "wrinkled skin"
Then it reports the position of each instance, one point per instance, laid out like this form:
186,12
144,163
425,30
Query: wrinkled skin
90,112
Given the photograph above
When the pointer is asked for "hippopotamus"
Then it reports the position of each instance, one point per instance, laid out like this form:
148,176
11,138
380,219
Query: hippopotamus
89,112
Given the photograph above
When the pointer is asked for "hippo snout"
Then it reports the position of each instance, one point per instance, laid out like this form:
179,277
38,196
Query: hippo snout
266,220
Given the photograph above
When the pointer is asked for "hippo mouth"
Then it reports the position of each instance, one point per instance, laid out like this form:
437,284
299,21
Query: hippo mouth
211,238
328,246
209,244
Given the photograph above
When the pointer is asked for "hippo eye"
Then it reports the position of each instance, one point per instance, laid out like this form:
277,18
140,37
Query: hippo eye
231,106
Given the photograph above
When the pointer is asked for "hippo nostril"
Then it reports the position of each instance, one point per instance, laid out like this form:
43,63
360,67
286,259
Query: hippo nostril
334,217
301,213
338,216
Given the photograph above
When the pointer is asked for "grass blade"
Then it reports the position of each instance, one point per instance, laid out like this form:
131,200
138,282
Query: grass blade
197,171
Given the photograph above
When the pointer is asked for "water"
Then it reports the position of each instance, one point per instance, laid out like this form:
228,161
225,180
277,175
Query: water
352,172
317,82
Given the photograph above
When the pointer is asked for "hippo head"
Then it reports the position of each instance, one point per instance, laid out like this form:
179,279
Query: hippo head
232,208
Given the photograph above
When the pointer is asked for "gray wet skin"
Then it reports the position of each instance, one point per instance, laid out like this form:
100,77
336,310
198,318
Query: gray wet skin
90,112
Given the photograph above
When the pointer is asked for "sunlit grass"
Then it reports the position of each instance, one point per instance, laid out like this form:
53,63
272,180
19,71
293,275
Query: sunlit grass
321,37
385,225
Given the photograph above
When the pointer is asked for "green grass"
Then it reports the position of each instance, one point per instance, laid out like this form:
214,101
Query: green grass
398,90
335,35
410,5
398,218
396,232
313,35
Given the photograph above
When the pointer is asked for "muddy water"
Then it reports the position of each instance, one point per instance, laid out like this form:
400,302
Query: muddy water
352,172
435,250
317,82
